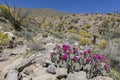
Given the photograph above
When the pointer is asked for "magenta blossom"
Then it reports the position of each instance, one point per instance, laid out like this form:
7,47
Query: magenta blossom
84,52
89,51
104,59
96,56
65,47
68,51
75,58
107,67
64,56
88,60
75,49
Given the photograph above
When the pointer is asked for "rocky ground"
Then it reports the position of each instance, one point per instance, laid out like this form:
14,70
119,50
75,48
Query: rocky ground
30,59
20,63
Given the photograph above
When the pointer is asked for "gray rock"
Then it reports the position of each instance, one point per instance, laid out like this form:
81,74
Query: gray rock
42,59
27,78
77,76
47,63
63,76
51,69
28,71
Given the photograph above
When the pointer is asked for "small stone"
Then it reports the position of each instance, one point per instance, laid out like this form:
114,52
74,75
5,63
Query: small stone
61,71
62,76
47,63
51,69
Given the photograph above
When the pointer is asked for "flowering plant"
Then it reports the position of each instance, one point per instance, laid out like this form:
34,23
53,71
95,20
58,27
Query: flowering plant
69,57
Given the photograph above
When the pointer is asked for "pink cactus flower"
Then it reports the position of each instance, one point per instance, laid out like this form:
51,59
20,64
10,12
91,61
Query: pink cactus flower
95,56
75,58
68,51
89,51
84,52
64,56
107,67
65,47
75,49
88,60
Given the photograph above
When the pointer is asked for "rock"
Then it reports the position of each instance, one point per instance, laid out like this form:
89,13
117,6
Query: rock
42,59
28,71
27,78
16,51
51,69
61,73
101,78
63,76
77,76
12,75
47,63
44,77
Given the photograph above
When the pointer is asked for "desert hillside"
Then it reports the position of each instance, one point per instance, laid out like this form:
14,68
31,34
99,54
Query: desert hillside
45,12
46,44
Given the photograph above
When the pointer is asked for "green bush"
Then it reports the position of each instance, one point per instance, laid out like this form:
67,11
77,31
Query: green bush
4,39
45,35
14,18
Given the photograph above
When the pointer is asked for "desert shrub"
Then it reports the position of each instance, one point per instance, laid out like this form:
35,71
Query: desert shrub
27,35
87,26
36,46
118,20
45,35
84,33
90,18
58,35
85,41
73,31
45,24
102,44
69,57
74,37
114,74
4,39
14,18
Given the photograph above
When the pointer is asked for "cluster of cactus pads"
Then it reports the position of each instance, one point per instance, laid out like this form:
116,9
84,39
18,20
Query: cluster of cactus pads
71,58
